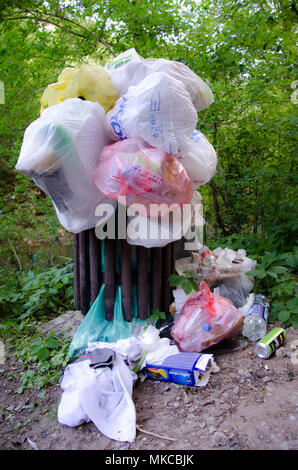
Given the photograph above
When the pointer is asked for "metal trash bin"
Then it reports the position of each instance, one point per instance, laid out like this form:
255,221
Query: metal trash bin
149,272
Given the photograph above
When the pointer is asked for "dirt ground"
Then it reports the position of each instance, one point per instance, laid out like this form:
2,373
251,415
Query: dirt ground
249,404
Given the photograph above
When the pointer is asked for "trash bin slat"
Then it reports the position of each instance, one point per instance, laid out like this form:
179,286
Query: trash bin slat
142,282
166,271
76,271
95,265
126,279
109,278
156,281
84,271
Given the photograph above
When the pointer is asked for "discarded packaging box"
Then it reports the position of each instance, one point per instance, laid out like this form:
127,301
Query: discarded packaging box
186,368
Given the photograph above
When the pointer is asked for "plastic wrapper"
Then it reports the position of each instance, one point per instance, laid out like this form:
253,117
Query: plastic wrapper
129,68
144,175
227,264
200,160
92,83
60,152
159,110
205,320
236,289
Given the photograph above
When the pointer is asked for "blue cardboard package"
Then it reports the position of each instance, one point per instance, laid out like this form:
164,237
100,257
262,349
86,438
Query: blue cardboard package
186,368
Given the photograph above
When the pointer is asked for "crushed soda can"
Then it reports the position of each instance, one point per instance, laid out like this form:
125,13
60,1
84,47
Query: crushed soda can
270,343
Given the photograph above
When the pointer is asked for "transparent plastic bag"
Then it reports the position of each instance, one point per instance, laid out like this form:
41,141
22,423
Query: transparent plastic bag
60,152
226,264
200,161
200,93
205,320
129,69
144,175
91,82
54,93
95,327
159,110
236,289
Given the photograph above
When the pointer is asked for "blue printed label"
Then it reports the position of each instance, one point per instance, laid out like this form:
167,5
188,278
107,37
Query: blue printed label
259,310
116,123
196,136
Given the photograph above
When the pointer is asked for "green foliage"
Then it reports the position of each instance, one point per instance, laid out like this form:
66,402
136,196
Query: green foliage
274,276
42,359
186,282
38,293
157,315
36,297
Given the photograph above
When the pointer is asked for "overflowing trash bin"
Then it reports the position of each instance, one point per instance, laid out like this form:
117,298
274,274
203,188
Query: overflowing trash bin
117,149
114,137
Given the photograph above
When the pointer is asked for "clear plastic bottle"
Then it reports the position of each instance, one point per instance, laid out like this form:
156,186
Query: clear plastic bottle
255,322
207,257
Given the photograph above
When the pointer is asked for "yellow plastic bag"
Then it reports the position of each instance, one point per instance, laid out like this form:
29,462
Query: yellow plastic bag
54,93
90,82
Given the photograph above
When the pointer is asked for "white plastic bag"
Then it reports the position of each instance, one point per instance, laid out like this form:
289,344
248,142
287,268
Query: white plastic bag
127,69
101,395
200,160
159,110
201,94
60,152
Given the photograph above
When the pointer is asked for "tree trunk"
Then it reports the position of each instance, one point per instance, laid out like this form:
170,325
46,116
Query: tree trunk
215,191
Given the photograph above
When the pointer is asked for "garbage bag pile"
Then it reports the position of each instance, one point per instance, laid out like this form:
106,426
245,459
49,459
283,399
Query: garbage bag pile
124,129
204,318
98,386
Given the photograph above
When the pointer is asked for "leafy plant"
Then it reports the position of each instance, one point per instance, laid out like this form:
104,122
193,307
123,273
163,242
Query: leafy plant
34,297
274,276
157,315
37,293
43,360
187,282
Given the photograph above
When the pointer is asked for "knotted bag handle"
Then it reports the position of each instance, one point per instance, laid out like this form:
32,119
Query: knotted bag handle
209,297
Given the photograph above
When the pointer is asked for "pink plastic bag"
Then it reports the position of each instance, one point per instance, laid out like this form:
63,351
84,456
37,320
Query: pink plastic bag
145,175
205,320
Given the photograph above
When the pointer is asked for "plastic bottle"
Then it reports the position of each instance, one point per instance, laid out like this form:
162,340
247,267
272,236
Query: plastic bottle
255,322
207,257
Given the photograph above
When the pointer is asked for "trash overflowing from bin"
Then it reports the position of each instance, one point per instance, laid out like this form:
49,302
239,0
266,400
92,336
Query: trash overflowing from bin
129,129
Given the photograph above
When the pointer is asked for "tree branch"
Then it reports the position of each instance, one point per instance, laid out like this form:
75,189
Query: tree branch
69,20
42,20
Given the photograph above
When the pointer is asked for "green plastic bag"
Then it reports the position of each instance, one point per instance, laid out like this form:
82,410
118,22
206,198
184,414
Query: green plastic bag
95,327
